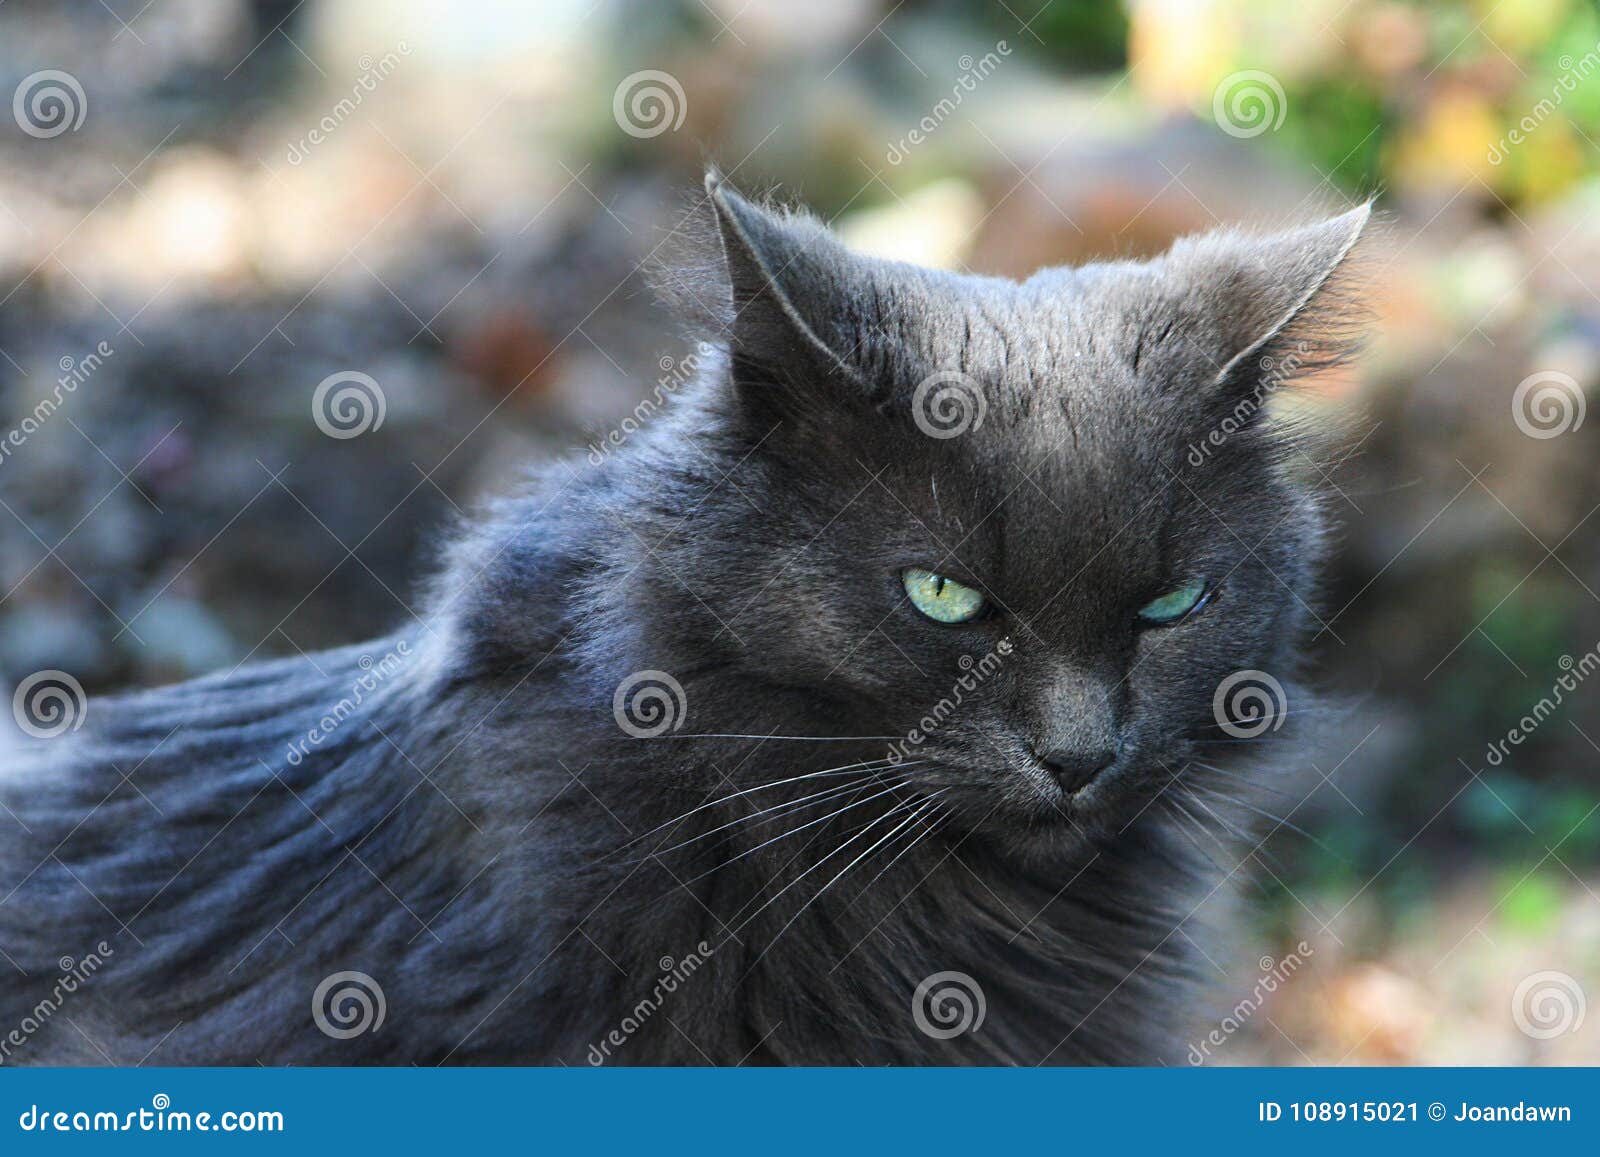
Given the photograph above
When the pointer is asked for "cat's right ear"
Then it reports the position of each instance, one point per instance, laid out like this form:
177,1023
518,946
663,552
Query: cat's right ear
786,278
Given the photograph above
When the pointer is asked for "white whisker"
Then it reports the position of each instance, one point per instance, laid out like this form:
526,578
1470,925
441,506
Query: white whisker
843,769
1179,827
779,810
786,738
1224,824
926,831
839,876
764,815
1279,821
795,831
863,831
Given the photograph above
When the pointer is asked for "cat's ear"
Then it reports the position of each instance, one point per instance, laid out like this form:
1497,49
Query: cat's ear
1274,305
787,278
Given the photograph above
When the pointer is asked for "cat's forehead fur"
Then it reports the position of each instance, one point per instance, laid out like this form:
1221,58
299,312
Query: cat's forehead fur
1155,340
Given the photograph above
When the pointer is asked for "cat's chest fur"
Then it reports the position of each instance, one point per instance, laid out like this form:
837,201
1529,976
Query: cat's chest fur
942,959
840,935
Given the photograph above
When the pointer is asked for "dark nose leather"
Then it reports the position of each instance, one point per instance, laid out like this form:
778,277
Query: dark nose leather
1075,769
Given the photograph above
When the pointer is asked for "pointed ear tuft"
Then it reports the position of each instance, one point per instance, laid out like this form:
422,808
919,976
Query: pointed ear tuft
774,286
1309,262
757,254
1287,299
786,275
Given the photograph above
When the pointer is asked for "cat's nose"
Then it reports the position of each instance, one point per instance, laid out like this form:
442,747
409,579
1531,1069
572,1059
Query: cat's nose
1075,769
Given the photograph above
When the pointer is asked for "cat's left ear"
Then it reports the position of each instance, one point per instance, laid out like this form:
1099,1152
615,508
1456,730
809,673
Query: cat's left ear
1249,303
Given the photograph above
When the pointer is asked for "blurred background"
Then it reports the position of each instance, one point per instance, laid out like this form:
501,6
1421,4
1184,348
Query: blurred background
209,208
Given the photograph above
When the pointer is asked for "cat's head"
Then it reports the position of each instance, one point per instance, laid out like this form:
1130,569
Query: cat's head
1042,537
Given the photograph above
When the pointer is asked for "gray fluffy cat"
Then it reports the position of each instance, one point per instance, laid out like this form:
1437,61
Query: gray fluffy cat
836,716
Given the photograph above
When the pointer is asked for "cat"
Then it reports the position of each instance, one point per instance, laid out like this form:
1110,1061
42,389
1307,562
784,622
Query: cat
841,713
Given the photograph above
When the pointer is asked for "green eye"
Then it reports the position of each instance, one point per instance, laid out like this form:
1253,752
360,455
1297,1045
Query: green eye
943,600
1174,605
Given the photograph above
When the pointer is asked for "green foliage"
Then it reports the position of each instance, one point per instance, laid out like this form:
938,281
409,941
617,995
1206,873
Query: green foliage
1085,36
1532,902
1339,126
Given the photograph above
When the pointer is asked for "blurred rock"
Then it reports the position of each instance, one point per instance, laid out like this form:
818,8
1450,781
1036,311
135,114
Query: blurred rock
34,637
182,639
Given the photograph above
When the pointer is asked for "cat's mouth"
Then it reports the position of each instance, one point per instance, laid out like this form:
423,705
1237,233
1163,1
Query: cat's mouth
1036,793
1086,793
